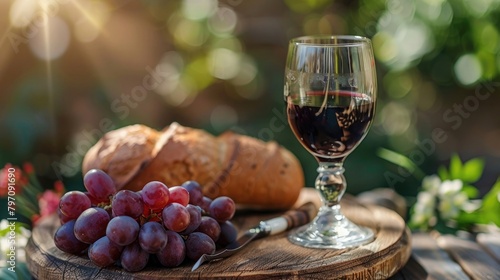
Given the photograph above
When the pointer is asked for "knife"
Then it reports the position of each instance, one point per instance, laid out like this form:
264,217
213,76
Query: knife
290,219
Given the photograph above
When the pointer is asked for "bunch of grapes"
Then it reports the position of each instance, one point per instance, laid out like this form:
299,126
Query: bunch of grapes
129,228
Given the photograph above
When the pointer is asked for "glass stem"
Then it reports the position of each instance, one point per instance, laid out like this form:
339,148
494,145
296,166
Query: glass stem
330,228
331,184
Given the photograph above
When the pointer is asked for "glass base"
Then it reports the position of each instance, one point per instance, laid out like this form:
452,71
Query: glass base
331,230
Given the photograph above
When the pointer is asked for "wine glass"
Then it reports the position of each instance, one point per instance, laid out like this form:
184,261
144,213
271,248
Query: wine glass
330,93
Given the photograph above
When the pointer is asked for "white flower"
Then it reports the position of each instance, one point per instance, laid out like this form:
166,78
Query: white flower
426,202
423,212
452,200
431,184
419,218
460,199
450,188
447,210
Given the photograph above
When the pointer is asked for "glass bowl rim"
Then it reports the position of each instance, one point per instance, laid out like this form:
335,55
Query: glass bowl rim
347,40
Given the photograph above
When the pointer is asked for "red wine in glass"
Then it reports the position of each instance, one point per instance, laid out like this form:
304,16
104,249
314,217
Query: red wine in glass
330,131
330,92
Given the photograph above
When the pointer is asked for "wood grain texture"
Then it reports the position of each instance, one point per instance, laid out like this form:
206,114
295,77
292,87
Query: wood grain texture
477,263
268,258
436,261
490,242
412,270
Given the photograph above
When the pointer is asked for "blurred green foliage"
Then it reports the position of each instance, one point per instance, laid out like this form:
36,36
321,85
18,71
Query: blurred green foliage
234,50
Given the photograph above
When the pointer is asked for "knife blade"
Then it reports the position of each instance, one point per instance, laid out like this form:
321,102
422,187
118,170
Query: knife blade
290,219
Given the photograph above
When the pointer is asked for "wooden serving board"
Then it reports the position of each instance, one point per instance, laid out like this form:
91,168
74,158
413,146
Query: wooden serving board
268,258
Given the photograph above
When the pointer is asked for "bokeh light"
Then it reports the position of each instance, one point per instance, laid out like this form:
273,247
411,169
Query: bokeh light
398,85
395,118
223,63
479,8
198,9
385,47
246,73
22,12
171,87
92,20
306,6
51,40
407,42
223,21
189,33
468,69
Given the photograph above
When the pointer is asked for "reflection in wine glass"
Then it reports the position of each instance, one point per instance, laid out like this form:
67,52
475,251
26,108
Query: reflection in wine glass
330,94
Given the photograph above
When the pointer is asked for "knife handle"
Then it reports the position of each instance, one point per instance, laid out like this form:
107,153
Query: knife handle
290,219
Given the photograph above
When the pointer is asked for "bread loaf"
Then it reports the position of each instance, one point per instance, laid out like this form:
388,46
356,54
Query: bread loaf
252,172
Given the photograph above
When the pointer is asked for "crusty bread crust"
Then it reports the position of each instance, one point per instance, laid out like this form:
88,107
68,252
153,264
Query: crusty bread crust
252,172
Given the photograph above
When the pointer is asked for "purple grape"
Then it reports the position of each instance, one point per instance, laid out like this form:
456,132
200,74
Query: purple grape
103,252
175,217
210,227
127,203
179,194
65,239
195,192
133,257
228,233
174,252
198,244
222,208
73,203
91,225
155,195
122,230
152,237
194,218
99,184
205,204
63,218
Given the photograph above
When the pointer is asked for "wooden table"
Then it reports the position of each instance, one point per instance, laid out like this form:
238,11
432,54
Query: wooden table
453,257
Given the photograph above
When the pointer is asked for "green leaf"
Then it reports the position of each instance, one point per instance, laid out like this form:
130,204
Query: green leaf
4,232
455,167
443,173
26,208
443,228
34,183
465,218
466,221
471,191
472,170
491,205
401,160
30,195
